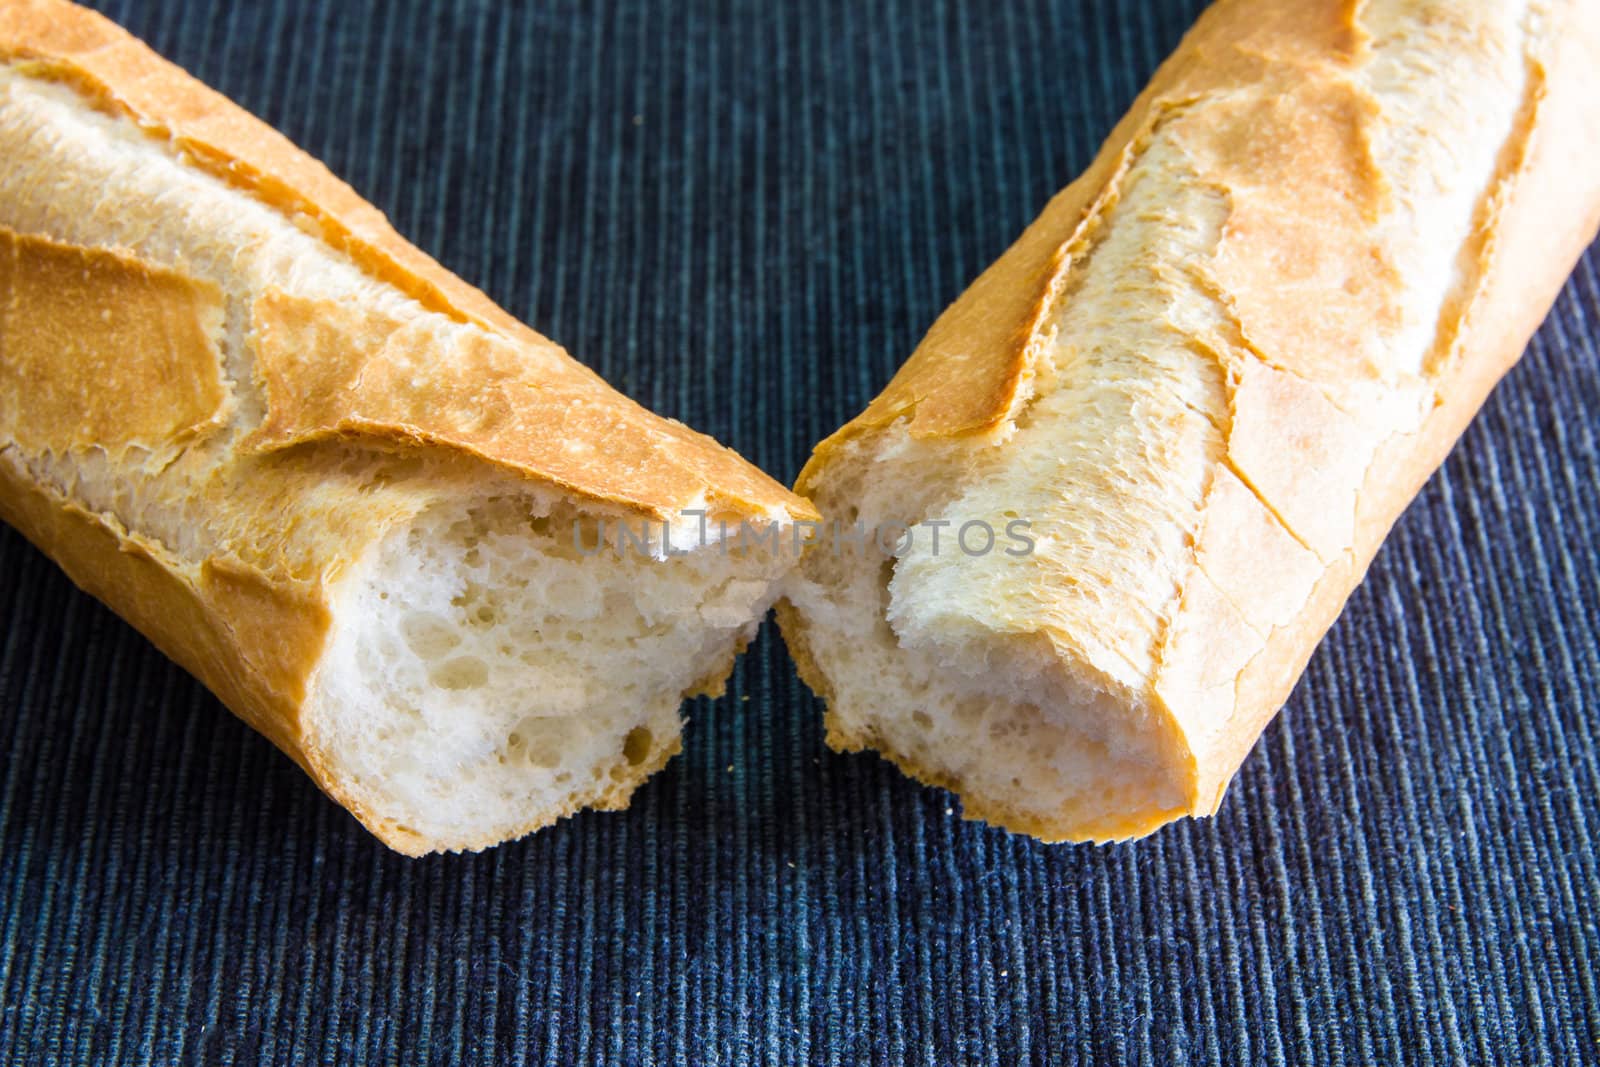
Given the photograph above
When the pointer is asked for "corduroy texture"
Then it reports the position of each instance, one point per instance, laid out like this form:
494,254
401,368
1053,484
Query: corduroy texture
745,215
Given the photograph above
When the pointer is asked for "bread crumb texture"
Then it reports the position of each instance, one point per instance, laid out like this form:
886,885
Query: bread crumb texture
328,477
1209,376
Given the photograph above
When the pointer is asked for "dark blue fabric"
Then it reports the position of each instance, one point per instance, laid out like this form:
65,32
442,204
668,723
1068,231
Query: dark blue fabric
745,214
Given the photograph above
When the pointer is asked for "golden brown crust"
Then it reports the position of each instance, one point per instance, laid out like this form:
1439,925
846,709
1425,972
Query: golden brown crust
252,629
1542,211
972,370
1324,443
461,387
63,41
251,640
58,40
333,370
99,349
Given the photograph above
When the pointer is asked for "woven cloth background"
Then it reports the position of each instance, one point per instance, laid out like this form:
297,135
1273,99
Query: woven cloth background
745,214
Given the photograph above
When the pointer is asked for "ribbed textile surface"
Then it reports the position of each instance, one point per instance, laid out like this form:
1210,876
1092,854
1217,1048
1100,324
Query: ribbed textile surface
745,215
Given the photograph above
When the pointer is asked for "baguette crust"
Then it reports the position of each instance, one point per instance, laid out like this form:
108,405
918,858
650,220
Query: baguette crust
672,468
1323,445
264,452
145,371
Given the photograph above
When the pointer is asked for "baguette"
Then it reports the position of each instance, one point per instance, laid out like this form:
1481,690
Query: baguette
1206,381
331,479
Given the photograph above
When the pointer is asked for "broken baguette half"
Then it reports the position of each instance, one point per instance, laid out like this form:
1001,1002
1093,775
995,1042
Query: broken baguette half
1206,381
438,562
